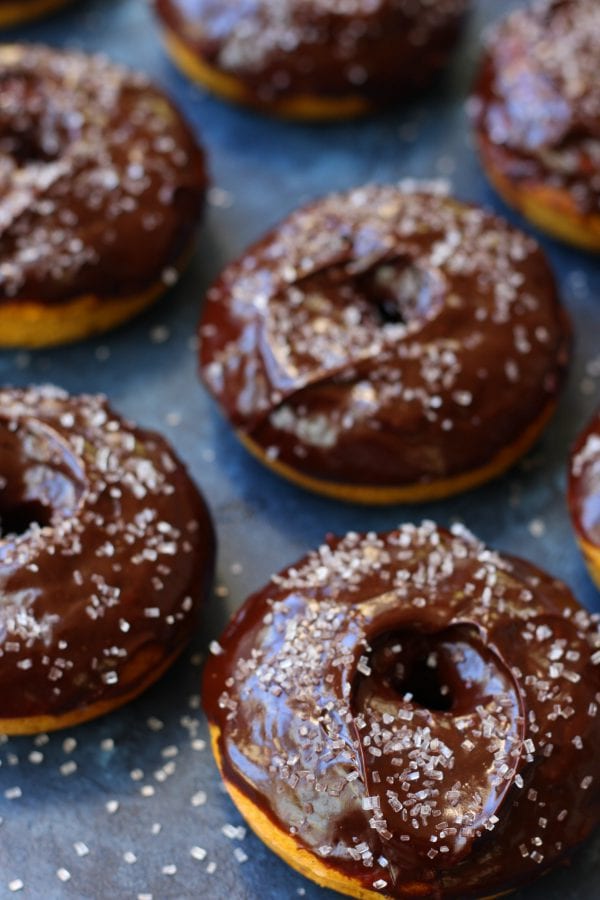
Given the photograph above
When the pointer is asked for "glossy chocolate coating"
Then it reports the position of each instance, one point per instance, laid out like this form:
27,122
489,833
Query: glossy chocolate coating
101,180
323,48
416,710
106,552
584,483
381,337
537,100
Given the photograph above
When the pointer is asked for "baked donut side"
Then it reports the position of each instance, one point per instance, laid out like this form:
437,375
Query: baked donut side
584,494
101,186
417,493
386,345
536,111
14,12
315,59
411,714
106,556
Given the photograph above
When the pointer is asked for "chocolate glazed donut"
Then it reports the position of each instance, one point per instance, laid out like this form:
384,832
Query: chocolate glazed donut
584,494
411,715
101,187
385,346
106,554
536,108
312,58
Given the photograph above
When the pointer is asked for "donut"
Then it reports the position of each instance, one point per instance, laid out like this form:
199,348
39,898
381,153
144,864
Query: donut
312,59
584,494
411,715
101,186
536,110
106,555
13,12
387,345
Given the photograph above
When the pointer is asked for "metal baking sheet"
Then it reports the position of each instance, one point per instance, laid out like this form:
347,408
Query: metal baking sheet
114,809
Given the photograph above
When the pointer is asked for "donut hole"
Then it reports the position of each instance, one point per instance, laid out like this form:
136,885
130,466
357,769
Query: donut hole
401,292
411,666
26,148
444,672
421,679
40,480
17,520
337,311
34,129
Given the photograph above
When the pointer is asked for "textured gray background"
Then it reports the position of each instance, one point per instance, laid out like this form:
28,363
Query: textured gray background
148,368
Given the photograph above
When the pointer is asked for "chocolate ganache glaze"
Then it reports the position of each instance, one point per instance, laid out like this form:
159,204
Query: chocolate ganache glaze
385,337
380,49
106,551
537,101
417,711
101,180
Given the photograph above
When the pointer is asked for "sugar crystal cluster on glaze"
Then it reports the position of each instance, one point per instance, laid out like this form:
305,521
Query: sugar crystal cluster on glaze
320,47
116,560
376,337
538,97
316,728
101,180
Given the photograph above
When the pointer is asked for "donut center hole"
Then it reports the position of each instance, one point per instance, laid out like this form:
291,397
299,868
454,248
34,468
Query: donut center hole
16,520
33,129
26,148
410,666
40,480
421,679
400,292
444,672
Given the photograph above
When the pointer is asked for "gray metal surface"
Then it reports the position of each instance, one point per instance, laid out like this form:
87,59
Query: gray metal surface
151,758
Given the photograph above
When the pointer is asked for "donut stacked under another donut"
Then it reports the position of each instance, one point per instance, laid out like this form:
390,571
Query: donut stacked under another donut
101,186
312,58
584,494
537,113
411,715
386,346
106,551
12,12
